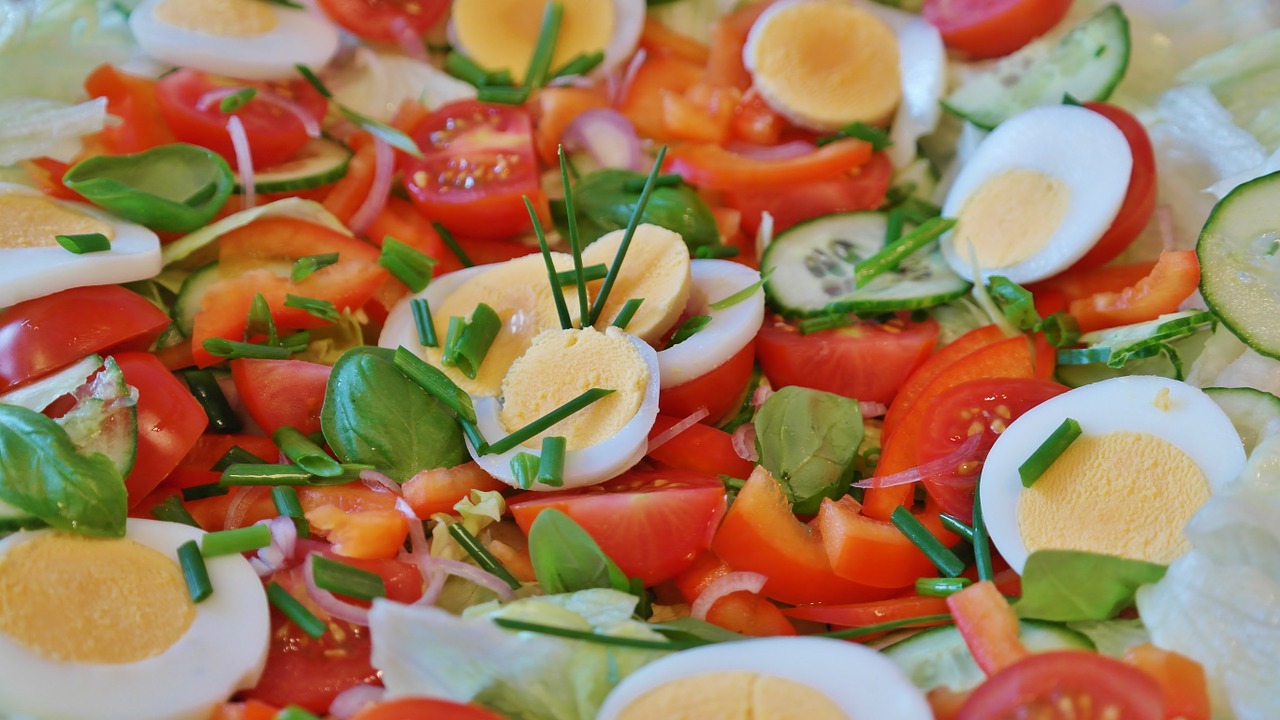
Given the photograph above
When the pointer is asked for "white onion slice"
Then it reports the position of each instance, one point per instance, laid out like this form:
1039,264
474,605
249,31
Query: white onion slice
725,585
728,331
244,161
663,437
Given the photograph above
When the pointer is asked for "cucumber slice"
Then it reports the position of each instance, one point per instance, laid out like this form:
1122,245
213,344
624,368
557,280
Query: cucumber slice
191,294
1117,346
105,418
939,656
1250,410
40,394
1175,363
810,270
1087,63
319,162
1239,253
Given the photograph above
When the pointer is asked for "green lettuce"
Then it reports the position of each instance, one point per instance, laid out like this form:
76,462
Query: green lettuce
47,47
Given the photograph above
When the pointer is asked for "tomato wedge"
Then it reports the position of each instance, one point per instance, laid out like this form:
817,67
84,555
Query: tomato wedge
170,421
698,448
386,21
281,392
1066,684
991,28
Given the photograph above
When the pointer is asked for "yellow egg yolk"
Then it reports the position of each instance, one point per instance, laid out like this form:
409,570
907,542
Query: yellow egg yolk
656,268
501,34
227,18
733,695
92,600
1011,217
562,364
28,221
1121,493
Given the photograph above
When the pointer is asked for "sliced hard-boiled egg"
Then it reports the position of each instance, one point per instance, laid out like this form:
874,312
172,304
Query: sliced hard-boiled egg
656,268
1037,194
824,63
246,39
1150,453
811,678
728,331
501,34
34,264
606,437
105,628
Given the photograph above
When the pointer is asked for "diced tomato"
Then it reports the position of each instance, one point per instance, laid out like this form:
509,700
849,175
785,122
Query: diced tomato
132,99
874,552
862,189
170,421
703,113
558,107
658,39
755,122
386,21
1064,685
1173,279
720,390
870,613
989,627
1182,680
415,708
282,392
47,175
699,448
642,100
368,534
705,569
439,489
991,28
711,166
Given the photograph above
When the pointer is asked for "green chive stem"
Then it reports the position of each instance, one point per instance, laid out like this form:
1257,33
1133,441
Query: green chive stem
716,252
981,549
435,382
481,555
271,474
545,422
688,329
575,241
289,606
204,386
408,264
635,185
194,571
561,308
232,542
888,258
551,461
474,340
289,505
200,492
236,455
303,267
422,321
172,510
1049,451
452,243
465,69
322,309
956,526
346,580
304,453
502,94
452,336
579,64
524,468
86,243
627,312
621,254
941,587
540,63
808,326
233,350
743,294
940,555
589,273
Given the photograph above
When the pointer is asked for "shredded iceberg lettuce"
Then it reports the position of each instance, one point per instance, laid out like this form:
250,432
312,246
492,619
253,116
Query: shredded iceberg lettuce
1245,78
47,47
375,83
33,127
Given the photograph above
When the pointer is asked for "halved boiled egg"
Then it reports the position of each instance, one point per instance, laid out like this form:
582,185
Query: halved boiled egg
34,264
105,628
245,39
1037,194
1151,452
810,678
730,328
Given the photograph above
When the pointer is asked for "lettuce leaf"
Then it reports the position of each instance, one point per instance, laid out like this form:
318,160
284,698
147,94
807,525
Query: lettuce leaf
33,127
47,47
1245,78
375,83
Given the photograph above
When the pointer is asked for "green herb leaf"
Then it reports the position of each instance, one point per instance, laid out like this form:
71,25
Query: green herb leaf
303,267
566,559
688,329
809,439
604,202
1014,301
237,100
1071,585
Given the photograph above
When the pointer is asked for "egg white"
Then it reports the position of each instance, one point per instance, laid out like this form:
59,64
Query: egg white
223,650
1193,423
728,331
400,329
28,273
1081,148
300,37
860,681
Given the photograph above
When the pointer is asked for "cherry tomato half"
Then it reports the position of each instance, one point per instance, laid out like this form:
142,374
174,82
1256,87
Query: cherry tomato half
991,28
1066,684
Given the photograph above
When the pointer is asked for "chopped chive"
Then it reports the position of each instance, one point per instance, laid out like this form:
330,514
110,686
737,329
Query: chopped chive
551,461
303,267
579,64
499,77
200,492
304,453
878,138
452,337
589,273
561,308
1069,99
380,130
258,321
422,321
918,211
346,580
272,474
172,510
941,587
472,432
435,382
981,550
594,637
1049,451
289,606
940,555
452,243
481,554
322,309
808,326
893,226
544,49
716,252
465,69
194,571
627,312
475,340
1014,301
232,350
888,258
408,264
204,386
231,542
688,329
288,505
84,243
237,455
295,712
635,185
546,421
237,99
297,342
956,526
313,80
502,94
575,240
1060,329
524,468
603,297
743,294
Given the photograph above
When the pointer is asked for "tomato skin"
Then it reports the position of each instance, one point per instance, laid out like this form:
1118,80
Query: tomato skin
698,448
1041,680
132,99
211,447
862,189
991,28
170,422
934,366
657,76
652,523
719,390
281,392
867,361
376,19
414,708
750,614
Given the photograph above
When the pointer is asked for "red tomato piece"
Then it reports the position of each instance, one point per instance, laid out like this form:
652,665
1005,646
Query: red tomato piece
724,64
711,166
699,448
658,74
210,448
1066,684
377,20
478,163
282,392
437,490
652,523
170,421
415,708
721,391
931,368
862,189
991,28
132,99
1173,279
750,614
868,361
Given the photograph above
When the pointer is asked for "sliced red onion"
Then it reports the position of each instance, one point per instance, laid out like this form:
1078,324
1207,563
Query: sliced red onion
330,603
744,442
280,553
244,161
941,470
724,585
872,409
618,89
347,703
433,576
785,151
1164,225
661,438
384,167
408,40
309,123
608,136
241,499
480,577
379,482
761,394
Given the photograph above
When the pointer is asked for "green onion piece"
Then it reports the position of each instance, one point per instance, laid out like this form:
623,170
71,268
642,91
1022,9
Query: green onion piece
289,606
635,185
473,434
1014,301
546,421
644,608
379,130
207,391
499,77
297,342
1069,99
589,273
1060,329
703,252
474,341
575,240
808,326
502,94
231,542
561,308
313,80
981,549
551,461
893,226
940,555
237,455
1049,451
597,638
410,265
917,211
465,69
422,321
200,492
172,510
603,297
524,467
481,554
888,258
237,99
688,329
452,337
259,321
743,294
232,350
436,383
304,266
627,312
272,474
194,571
879,628
295,712
452,243
304,453
85,243
940,587
346,580
322,309
288,505
956,526
540,63
878,138
579,64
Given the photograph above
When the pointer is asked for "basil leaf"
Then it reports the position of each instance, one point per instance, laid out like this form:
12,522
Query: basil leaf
175,188
373,414
603,203
566,559
808,440
1072,585
43,474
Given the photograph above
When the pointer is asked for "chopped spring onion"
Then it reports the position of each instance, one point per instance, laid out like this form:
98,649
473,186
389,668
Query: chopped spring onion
237,99
408,264
743,294
589,273
579,64
635,185
575,240
481,555
452,243
878,628
466,349
1060,329
304,453
322,309
294,712
259,321
451,336
561,308
237,455
981,550
86,243
894,223
940,555
888,258
382,131
288,505
1014,301
524,468
289,606
272,474
200,492
204,386
194,571
473,434
172,510
878,138
502,94
627,312
423,322
940,587
551,461
597,306
232,350
956,526
230,542
1049,451
808,326
546,421
436,383
540,63
597,638
716,252
465,69
347,580
688,329
303,267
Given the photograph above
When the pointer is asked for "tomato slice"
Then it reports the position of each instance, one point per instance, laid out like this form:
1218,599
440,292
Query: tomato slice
386,21
934,366
170,422
282,392
415,708
1066,684
698,448
478,164
862,189
437,490
719,390
652,523
991,28
657,75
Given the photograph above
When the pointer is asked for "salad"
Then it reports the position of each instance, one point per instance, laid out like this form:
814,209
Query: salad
612,359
